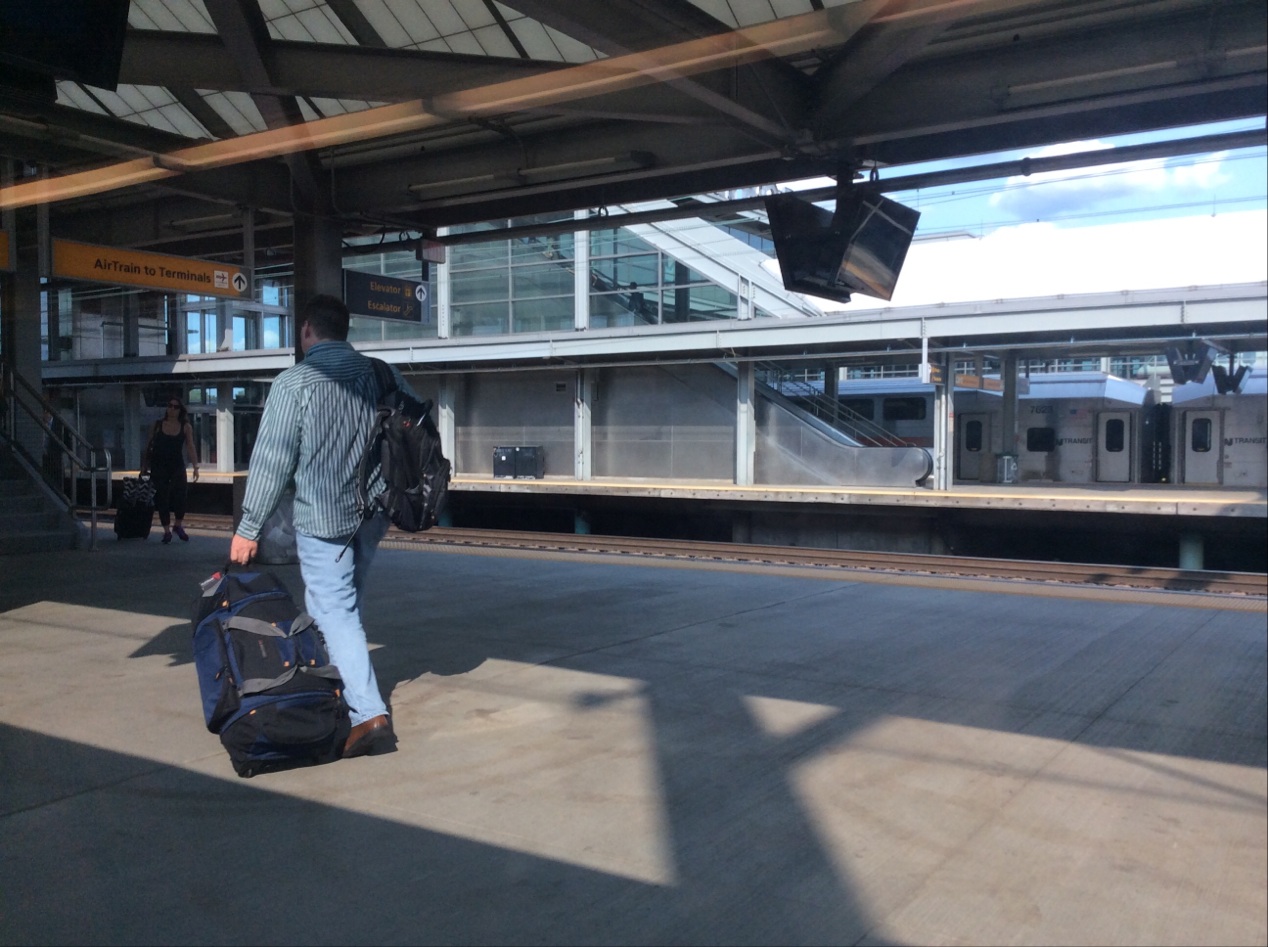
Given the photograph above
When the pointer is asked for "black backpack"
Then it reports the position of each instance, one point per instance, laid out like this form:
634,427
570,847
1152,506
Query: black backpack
406,445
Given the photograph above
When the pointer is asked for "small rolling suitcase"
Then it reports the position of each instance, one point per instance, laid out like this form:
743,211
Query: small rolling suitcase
268,687
135,511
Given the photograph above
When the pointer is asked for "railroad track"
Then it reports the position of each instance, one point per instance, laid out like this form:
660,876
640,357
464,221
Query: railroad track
1073,573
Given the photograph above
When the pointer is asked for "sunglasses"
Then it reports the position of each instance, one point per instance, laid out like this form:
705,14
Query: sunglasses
176,406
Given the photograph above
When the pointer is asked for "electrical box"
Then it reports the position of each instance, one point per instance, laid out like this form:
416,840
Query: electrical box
530,463
523,462
504,462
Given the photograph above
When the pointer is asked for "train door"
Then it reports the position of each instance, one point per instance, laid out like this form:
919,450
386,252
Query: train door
974,454
1202,440
1114,443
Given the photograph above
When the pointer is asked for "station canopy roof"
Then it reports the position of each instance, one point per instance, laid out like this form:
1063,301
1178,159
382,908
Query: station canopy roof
410,115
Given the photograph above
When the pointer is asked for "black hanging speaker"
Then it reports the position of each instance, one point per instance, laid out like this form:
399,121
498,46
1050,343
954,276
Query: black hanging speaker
80,40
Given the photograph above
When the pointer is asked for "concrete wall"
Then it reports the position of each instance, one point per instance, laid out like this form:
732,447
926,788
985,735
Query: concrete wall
656,422
513,409
675,422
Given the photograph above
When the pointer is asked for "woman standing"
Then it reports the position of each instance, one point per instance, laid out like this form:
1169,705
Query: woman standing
164,460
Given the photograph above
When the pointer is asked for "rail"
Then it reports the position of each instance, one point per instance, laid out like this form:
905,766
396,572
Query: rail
1253,584
27,419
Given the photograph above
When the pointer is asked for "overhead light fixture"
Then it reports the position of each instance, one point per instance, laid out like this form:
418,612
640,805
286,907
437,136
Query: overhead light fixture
210,222
474,182
566,170
627,161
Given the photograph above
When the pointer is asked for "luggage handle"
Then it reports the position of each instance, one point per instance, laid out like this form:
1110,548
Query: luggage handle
210,584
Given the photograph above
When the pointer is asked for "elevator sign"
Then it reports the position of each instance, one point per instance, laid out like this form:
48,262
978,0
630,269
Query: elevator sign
86,261
384,297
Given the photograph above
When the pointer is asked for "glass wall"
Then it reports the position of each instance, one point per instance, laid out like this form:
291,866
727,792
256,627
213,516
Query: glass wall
518,284
633,283
92,322
501,287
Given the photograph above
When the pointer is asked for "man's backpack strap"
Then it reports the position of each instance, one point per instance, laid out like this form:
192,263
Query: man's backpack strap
386,384
386,379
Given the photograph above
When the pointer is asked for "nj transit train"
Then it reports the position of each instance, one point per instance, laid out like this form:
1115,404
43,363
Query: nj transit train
1087,427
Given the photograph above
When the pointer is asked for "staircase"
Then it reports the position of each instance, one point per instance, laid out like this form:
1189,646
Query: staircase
31,518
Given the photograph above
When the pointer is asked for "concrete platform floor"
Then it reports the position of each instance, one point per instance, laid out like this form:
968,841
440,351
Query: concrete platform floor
613,752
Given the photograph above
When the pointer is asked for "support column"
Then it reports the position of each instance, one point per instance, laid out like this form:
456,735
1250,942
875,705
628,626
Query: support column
581,424
581,275
1008,420
318,264
746,307
226,462
445,418
20,301
1192,553
832,388
944,427
446,397
444,321
745,424
133,436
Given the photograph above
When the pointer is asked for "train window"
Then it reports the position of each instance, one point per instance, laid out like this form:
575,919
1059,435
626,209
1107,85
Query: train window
1115,435
973,435
903,409
1041,440
864,407
1201,435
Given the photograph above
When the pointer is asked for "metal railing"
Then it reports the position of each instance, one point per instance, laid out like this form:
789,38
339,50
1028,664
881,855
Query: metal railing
829,410
31,424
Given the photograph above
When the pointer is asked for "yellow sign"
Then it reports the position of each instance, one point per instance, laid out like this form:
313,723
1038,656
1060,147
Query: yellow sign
976,381
86,261
6,261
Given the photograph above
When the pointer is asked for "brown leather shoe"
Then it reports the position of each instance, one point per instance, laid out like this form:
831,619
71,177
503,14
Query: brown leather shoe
370,737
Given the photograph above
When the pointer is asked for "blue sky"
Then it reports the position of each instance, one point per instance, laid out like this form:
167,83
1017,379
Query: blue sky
1162,188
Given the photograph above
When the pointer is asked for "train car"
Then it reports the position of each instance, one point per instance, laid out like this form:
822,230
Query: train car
902,406
1221,437
1073,427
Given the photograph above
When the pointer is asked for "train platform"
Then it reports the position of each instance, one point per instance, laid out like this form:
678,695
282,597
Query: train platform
595,750
1134,498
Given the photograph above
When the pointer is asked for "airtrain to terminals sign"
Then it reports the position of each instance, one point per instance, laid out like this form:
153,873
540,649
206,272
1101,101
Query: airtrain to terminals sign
384,297
86,261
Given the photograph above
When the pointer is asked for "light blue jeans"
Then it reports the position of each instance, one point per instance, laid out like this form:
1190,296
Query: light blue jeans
332,595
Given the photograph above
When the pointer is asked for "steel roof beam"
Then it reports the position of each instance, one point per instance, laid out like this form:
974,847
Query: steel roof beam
155,57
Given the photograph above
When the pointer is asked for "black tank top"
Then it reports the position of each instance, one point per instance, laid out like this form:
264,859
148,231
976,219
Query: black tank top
168,451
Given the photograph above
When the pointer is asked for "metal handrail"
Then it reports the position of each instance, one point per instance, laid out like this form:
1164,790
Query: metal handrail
868,433
86,459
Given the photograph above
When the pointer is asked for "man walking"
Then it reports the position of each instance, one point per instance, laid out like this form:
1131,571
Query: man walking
315,424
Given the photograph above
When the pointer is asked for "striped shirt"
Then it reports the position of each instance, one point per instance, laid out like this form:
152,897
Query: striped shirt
316,422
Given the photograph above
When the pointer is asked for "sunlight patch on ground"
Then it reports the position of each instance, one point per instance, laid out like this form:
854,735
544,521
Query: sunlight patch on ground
782,718
915,813
536,759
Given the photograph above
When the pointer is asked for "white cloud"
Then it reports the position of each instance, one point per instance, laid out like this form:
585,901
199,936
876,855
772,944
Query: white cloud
1041,259
1051,194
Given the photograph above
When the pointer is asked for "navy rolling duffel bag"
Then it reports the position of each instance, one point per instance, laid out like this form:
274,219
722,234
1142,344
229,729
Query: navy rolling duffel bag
268,687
